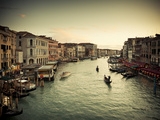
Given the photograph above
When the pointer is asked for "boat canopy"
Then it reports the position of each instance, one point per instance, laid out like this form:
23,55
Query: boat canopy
52,63
45,68
5,78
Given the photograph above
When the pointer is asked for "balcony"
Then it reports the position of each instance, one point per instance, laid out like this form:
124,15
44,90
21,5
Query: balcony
5,40
4,59
5,50
31,46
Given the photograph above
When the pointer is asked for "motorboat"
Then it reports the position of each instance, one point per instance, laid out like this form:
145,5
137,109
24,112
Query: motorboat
10,86
65,74
25,85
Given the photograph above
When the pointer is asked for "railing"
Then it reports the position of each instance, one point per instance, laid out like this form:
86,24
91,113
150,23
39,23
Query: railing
5,58
5,50
5,40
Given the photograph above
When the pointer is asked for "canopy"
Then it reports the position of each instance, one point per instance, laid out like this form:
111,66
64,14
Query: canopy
149,70
5,78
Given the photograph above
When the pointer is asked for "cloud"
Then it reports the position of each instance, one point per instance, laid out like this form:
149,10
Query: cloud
68,35
22,15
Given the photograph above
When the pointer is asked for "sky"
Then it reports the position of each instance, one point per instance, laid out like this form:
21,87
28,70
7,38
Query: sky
107,23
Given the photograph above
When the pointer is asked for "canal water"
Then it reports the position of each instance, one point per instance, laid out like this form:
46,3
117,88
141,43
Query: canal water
85,96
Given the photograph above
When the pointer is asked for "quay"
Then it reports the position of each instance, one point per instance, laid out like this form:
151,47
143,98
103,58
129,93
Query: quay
144,69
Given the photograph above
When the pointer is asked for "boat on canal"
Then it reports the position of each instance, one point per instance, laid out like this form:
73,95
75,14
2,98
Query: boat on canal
93,58
16,93
128,74
19,94
65,74
7,112
9,106
107,80
25,85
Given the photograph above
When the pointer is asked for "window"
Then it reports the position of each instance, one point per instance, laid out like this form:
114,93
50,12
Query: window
154,51
153,44
158,51
31,42
42,43
19,43
158,43
31,52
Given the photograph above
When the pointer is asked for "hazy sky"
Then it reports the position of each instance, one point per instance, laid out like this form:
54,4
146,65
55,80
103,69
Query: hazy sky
102,22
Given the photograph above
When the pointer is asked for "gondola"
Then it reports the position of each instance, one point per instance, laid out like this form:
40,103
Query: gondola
16,94
107,80
6,112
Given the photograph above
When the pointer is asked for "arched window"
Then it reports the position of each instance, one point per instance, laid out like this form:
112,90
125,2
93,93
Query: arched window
31,52
31,42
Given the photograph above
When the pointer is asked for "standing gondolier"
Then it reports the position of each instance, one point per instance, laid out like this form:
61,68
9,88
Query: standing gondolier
97,69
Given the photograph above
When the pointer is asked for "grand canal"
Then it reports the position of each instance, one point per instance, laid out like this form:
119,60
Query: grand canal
85,96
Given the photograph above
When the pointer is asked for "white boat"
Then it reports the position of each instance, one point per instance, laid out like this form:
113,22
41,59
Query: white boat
65,74
25,85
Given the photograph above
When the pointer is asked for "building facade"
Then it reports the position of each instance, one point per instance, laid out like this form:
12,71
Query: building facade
7,49
34,48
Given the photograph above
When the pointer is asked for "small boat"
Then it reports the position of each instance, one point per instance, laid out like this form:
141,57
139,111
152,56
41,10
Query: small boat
15,94
65,74
6,112
128,74
121,70
93,58
9,107
113,68
75,59
25,85
107,80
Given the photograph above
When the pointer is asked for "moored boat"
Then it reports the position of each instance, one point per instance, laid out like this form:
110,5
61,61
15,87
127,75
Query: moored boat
6,112
15,94
25,85
93,58
128,74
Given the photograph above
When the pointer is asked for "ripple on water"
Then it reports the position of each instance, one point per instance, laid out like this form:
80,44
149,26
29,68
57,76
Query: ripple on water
85,96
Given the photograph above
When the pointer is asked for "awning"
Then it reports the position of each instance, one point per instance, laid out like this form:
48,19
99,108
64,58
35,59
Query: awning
5,78
151,71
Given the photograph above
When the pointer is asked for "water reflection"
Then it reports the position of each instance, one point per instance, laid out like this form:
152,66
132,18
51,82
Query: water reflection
109,86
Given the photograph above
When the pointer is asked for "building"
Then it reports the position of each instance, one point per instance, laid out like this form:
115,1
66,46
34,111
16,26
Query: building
143,49
53,50
70,50
7,49
80,51
34,48
60,50
90,49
